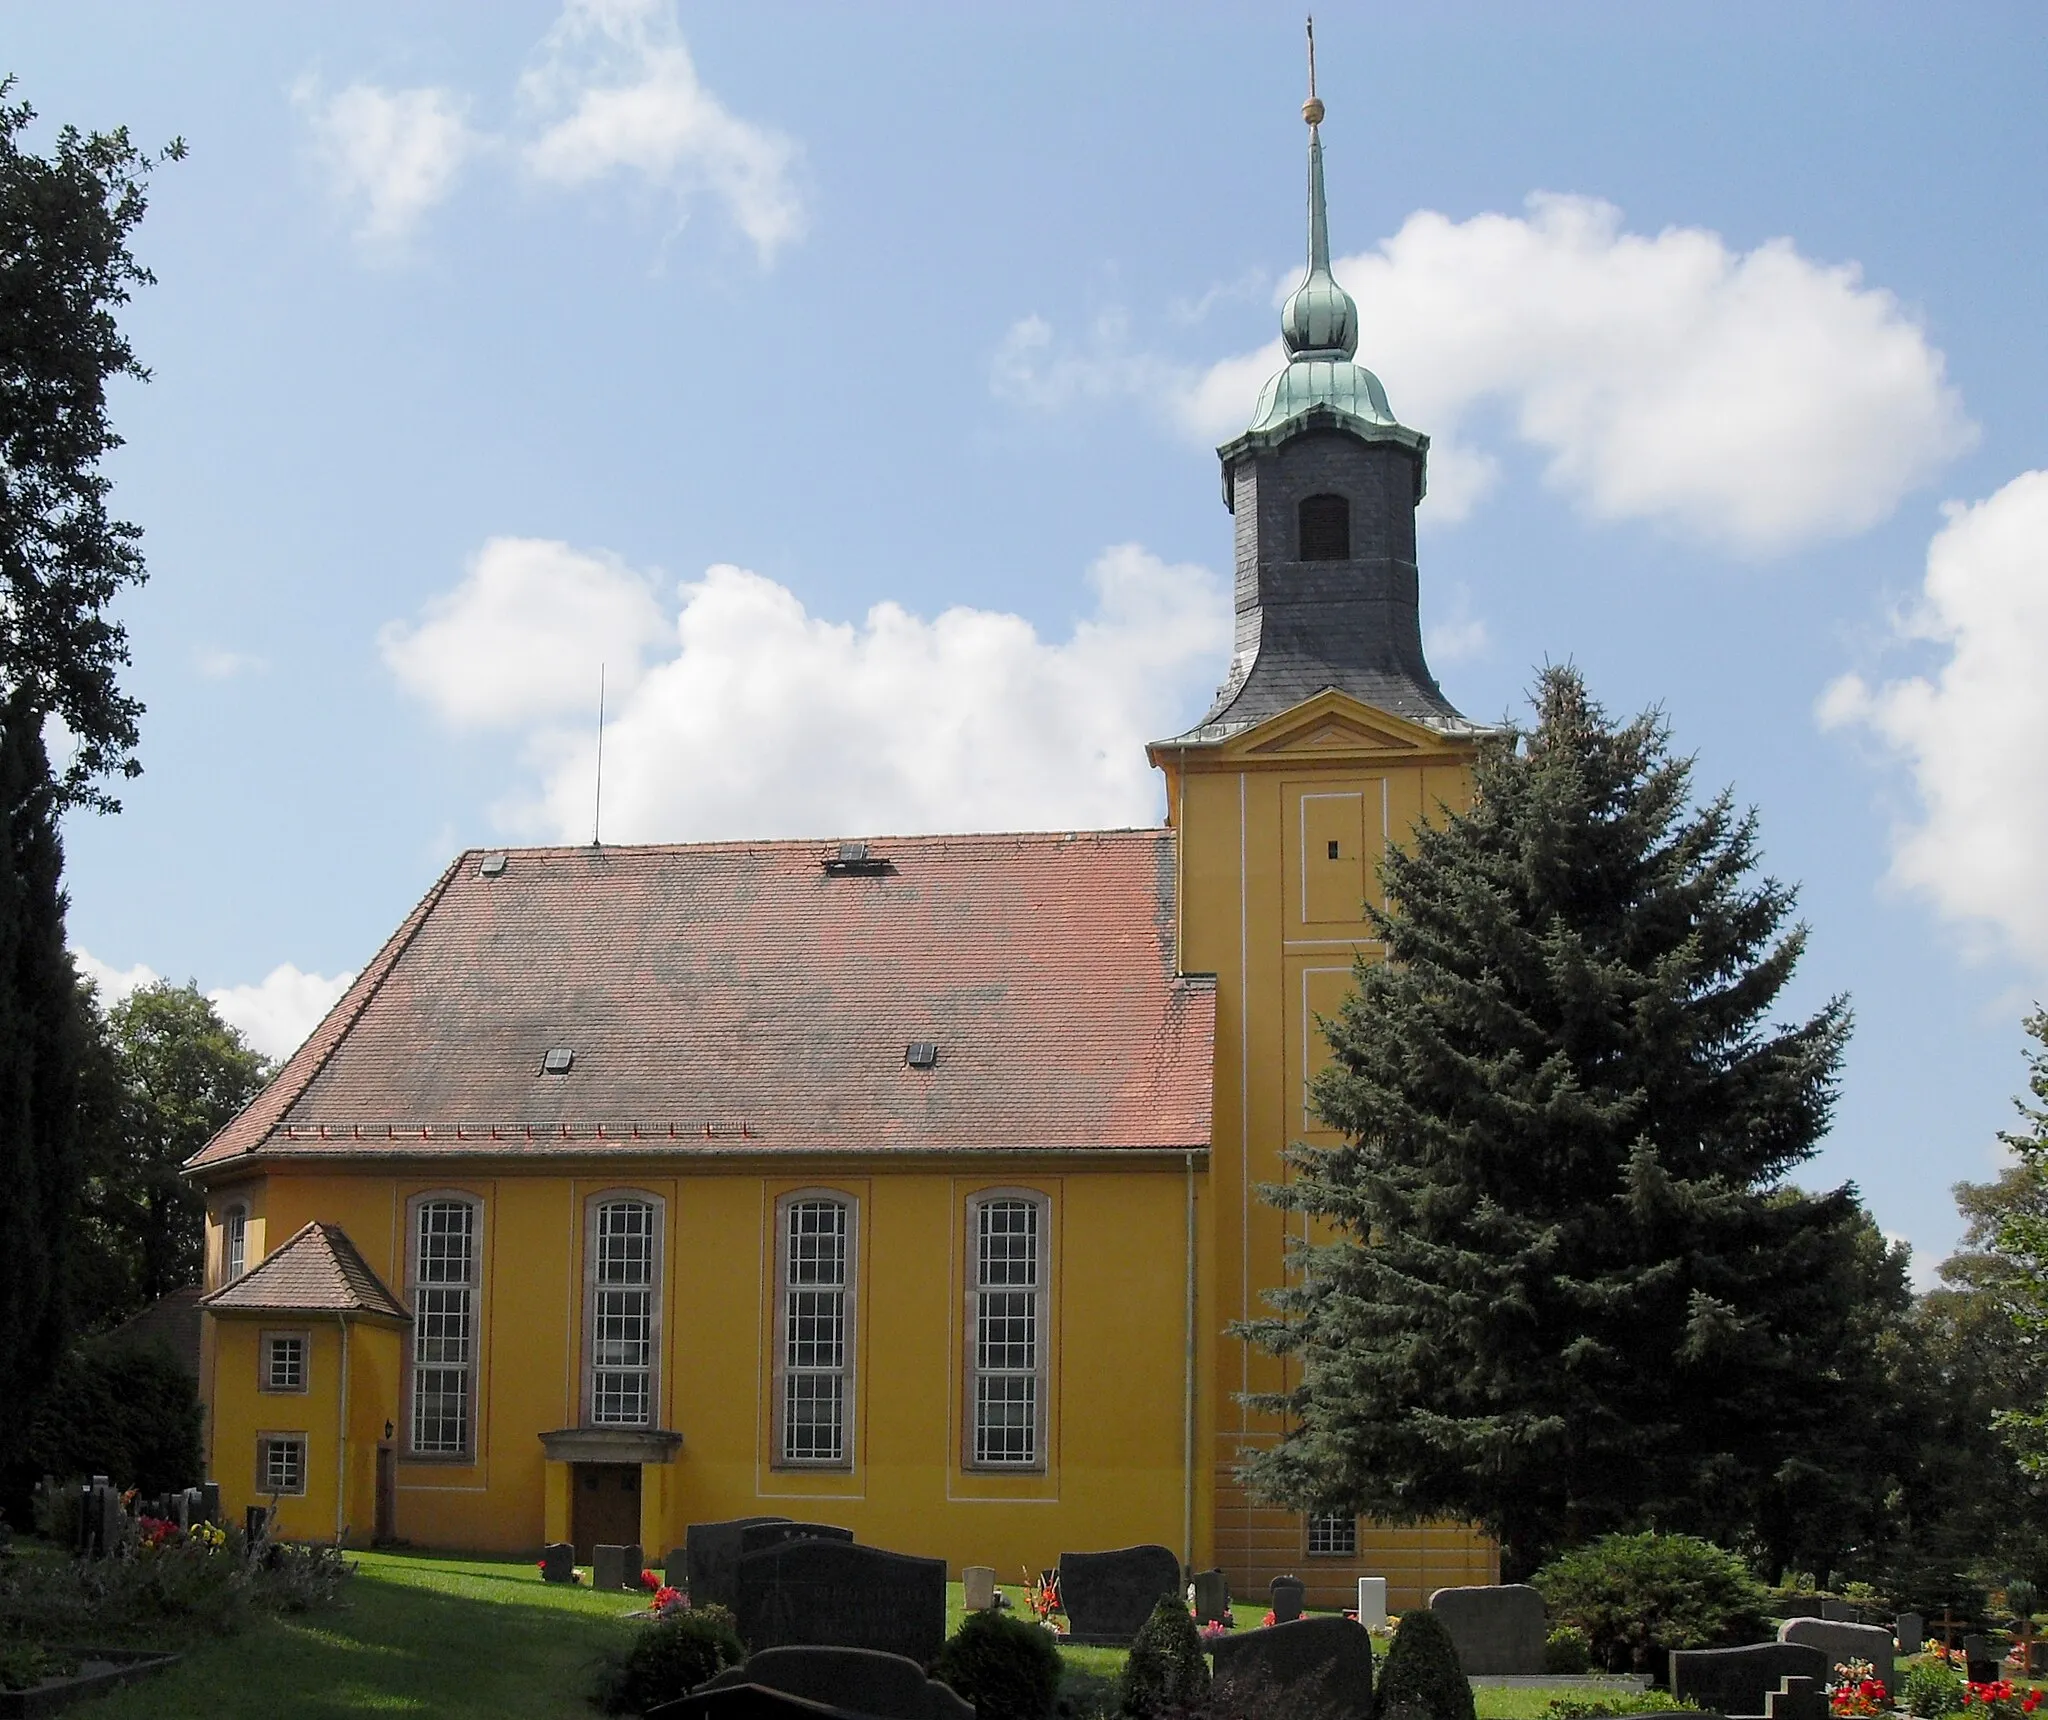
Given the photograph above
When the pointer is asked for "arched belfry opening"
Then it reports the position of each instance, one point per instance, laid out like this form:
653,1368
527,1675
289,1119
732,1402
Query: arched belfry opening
1323,527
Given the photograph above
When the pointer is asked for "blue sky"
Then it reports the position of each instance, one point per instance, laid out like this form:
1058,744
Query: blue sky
847,379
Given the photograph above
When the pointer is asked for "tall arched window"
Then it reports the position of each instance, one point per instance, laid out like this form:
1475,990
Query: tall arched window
1006,1329
1325,528
444,1273
814,1349
622,1309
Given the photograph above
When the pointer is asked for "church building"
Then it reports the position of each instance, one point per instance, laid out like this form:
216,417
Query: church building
908,1184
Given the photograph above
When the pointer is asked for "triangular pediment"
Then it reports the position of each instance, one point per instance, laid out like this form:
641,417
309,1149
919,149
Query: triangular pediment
1334,730
1336,725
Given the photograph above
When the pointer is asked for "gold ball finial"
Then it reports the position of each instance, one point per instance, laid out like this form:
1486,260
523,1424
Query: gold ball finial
1312,110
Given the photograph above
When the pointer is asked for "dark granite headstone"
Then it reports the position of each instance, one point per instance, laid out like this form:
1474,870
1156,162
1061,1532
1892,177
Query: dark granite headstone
1909,1631
675,1569
754,1536
635,1563
1842,1643
558,1562
1980,1660
1841,1612
1320,1666
1797,1699
1801,1609
1734,1681
1109,1596
608,1567
863,1680
209,1501
1497,1628
835,1594
748,1702
712,1552
1212,1597
1290,1595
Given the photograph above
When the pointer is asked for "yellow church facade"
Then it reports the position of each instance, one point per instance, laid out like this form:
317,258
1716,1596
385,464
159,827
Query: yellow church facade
909,1185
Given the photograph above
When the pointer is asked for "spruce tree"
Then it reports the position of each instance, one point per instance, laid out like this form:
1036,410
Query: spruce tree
1560,1285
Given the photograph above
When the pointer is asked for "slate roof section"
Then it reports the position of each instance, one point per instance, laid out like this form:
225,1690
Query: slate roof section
738,997
317,1272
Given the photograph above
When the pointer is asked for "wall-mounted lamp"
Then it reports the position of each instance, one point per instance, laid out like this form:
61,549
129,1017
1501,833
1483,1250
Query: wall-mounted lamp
389,1430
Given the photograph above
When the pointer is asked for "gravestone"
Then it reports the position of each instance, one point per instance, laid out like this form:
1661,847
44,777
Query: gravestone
608,1567
675,1569
1320,1666
978,1587
255,1524
755,1536
747,1702
558,1562
1498,1628
635,1562
1842,1643
1372,1602
1841,1612
859,1680
712,1551
1212,1597
1289,1595
1734,1681
209,1501
1797,1699
1910,1632
1109,1596
1980,1660
835,1594
1802,1609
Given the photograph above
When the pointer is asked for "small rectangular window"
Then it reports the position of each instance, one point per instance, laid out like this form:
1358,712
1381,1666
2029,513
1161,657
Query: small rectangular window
281,1463
1007,1339
284,1361
816,1349
1332,1536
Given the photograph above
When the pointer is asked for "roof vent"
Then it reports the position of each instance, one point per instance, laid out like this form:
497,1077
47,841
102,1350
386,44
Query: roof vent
492,865
855,859
558,1061
921,1054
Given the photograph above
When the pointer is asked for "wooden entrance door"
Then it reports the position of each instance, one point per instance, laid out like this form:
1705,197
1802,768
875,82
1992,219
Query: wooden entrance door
607,1509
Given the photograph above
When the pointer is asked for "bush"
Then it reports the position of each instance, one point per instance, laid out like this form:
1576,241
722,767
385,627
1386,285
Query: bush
1637,1597
670,1657
1422,1679
1567,1649
1009,1669
1931,1690
1166,1670
121,1409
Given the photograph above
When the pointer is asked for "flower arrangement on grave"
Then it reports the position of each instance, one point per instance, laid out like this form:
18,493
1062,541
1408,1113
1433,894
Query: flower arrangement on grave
1857,1694
574,1576
1999,1700
1214,1632
650,1581
1045,1600
668,1600
1269,1619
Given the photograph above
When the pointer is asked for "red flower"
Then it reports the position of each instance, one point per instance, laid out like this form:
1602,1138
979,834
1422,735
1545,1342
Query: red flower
648,1580
1269,1618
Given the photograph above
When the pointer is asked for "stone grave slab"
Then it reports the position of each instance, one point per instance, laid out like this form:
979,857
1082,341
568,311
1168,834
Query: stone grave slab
1320,1666
978,1587
1841,1612
1372,1602
209,1501
1842,1643
862,1680
636,1562
558,1562
1109,1596
1212,1597
712,1552
1980,1660
839,1595
608,1567
1497,1628
1797,1699
1735,1681
675,1569
1910,1632
748,1702
1289,1597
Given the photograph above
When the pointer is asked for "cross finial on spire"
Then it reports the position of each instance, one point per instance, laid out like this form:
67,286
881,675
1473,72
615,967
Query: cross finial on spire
1312,109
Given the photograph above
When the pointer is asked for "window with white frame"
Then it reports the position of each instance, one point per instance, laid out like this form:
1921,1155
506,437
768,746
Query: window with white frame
281,1463
815,1341
444,1288
234,1243
623,1252
284,1362
1007,1313
1333,1536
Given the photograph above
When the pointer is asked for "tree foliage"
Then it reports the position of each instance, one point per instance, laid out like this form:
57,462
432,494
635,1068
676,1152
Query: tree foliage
1637,1597
65,265
1560,1285
122,1409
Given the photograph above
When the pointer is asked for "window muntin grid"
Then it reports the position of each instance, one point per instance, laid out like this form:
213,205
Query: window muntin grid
284,1362
1008,1342
1333,1535
622,1272
444,1325
281,1464
815,1370
234,1252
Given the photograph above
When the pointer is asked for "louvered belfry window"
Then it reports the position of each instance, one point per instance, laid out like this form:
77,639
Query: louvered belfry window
816,1336
1325,523
622,1308
444,1280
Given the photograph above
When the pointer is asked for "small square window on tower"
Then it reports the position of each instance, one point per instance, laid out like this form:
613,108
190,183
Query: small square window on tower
284,1361
281,1463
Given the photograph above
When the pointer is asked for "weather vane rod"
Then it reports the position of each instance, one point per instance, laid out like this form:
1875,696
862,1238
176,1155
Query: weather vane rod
1312,109
597,800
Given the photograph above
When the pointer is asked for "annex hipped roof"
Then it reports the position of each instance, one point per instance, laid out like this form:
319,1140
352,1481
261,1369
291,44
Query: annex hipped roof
743,997
317,1272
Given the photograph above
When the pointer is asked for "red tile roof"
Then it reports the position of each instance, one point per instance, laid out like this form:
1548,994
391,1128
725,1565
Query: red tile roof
317,1272
739,996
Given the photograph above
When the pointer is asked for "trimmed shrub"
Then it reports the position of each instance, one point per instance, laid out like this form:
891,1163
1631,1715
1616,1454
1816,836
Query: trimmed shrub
1167,1671
1637,1597
1422,1679
1007,1667
122,1409
1567,1649
1931,1690
669,1657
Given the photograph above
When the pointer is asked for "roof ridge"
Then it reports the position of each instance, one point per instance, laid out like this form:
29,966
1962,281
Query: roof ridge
366,987
743,845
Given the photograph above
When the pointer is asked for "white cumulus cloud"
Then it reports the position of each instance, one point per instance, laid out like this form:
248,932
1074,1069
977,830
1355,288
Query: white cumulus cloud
390,155
616,89
1971,733
754,717
1754,399
274,1015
